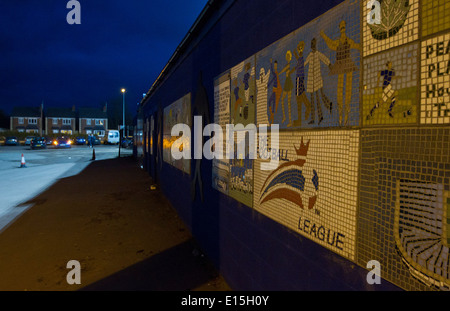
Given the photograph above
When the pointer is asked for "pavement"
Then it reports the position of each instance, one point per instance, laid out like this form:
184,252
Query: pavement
43,168
107,217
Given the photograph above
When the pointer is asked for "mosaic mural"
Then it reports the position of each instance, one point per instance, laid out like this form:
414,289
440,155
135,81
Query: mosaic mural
390,86
221,167
361,171
177,113
243,98
151,133
241,170
292,73
398,24
435,80
404,205
314,188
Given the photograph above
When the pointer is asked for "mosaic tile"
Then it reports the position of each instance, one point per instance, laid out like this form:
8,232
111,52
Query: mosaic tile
390,86
435,16
221,167
435,80
310,78
398,25
241,171
178,112
402,217
243,95
313,190
151,133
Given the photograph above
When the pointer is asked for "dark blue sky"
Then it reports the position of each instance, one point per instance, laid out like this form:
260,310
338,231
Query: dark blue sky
118,44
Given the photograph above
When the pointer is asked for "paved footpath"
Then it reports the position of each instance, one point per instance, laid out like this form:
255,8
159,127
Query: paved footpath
124,235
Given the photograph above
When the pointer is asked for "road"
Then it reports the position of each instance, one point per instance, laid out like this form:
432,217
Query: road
43,168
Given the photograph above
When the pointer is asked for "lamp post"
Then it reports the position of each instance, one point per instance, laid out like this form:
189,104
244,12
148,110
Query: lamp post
123,113
123,120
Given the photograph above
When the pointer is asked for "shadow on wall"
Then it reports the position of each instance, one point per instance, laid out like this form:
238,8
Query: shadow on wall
205,215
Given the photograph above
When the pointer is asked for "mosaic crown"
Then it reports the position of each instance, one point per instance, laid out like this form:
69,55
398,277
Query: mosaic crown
303,150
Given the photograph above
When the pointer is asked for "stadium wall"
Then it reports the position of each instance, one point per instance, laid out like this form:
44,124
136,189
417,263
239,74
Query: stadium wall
363,110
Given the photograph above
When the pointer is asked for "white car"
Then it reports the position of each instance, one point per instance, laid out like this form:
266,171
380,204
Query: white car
113,137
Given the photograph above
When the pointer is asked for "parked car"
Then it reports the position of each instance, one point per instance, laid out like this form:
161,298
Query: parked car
39,143
62,142
80,141
127,142
113,137
11,141
28,140
49,140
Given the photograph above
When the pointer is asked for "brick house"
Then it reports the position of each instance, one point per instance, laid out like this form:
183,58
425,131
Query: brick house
27,119
93,121
60,121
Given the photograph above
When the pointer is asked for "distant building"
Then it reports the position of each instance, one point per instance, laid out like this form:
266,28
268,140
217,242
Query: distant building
93,121
27,119
60,121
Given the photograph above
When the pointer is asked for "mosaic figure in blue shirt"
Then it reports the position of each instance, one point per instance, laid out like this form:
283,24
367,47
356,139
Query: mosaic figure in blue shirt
276,90
300,89
388,94
246,81
238,100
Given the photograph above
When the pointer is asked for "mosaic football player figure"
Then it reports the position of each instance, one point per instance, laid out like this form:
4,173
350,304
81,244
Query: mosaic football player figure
388,94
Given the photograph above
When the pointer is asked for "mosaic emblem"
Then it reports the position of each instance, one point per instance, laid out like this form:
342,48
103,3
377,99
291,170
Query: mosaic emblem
421,233
288,181
393,17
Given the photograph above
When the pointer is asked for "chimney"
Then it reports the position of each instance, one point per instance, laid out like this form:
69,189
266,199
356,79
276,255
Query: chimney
105,107
73,108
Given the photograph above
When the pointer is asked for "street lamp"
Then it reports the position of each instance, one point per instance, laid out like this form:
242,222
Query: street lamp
123,113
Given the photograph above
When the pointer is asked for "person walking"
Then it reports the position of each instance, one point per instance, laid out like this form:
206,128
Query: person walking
90,141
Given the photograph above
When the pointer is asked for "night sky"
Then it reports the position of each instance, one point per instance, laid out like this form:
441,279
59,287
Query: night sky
119,44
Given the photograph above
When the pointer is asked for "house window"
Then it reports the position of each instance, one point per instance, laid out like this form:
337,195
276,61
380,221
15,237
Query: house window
55,121
67,121
98,121
66,132
20,120
55,131
32,120
88,122
99,133
88,132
